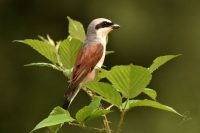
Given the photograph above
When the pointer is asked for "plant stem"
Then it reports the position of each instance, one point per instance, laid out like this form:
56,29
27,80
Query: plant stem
105,120
121,121
119,127
106,124
90,128
109,107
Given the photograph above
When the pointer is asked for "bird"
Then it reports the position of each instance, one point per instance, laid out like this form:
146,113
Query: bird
90,57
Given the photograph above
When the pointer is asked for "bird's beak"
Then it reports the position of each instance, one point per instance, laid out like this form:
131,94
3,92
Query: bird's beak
115,26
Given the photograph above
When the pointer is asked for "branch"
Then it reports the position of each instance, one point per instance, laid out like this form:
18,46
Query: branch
88,127
105,120
106,124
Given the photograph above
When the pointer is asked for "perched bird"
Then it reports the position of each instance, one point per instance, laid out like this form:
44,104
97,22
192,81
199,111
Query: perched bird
90,57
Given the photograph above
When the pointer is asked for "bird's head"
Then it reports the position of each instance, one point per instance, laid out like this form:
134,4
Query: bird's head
101,27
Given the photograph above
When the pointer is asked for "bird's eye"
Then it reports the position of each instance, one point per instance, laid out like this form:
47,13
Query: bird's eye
103,25
106,24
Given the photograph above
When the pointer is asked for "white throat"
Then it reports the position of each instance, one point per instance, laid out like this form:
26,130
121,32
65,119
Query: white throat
93,38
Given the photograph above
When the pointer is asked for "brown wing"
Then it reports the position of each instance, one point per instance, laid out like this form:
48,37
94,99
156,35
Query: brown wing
86,60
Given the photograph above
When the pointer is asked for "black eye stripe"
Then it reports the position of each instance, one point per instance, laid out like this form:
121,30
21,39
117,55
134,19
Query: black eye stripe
103,25
106,24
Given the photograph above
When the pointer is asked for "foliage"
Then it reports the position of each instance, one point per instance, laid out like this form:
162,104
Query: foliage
56,117
125,82
91,111
148,103
68,51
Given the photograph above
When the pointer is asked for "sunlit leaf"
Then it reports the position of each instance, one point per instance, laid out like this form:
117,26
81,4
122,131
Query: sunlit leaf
56,117
76,29
106,90
48,40
68,51
129,80
151,93
44,48
148,103
159,61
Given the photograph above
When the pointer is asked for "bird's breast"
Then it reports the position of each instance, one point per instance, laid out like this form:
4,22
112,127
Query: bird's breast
98,40
101,61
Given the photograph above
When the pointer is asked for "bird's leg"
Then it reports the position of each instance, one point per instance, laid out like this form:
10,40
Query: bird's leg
89,92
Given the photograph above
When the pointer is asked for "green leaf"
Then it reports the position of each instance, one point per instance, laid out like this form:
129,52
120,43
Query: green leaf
95,103
48,40
87,114
68,51
130,80
44,48
100,75
148,103
151,93
67,73
76,29
97,114
91,111
83,114
56,117
109,52
43,64
159,61
106,90
55,129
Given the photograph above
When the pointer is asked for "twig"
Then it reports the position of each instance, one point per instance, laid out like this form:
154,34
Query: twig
106,124
109,107
123,111
105,120
88,127
119,128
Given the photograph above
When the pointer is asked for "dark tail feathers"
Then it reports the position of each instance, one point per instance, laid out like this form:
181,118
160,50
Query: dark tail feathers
68,96
66,104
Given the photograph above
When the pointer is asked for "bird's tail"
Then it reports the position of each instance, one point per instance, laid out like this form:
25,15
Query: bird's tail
70,95
66,103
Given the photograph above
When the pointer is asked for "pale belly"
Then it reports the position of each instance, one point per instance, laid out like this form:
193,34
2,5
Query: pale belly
100,63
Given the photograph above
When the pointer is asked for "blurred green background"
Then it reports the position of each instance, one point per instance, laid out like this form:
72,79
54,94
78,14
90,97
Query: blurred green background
149,28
